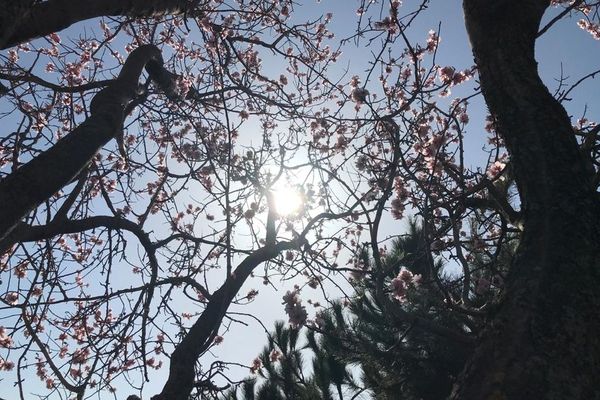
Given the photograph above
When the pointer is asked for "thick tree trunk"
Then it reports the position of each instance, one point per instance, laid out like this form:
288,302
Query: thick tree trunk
11,17
543,342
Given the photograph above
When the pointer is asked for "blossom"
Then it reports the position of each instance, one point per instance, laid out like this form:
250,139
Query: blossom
80,356
256,365
403,282
495,169
593,29
433,40
251,294
397,208
359,95
445,74
12,298
5,340
294,308
6,365
275,355
54,38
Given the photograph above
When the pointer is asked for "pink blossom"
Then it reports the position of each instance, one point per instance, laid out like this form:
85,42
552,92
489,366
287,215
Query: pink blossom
12,298
495,169
397,208
275,355
289,255
398,289
359,95
6,365
403,282
294,308
13,56
5,340
593,29
256,365
75,373
80,356
433,40
405,275
54,38
445,74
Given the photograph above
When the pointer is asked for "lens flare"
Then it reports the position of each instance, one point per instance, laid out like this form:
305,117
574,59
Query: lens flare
288,201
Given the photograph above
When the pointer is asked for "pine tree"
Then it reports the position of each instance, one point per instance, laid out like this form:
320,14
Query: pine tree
398,361
282,374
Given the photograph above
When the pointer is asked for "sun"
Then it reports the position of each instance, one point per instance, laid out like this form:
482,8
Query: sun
288,201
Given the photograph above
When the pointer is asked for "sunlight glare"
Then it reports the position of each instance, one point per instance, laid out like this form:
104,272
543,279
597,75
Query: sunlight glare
288,201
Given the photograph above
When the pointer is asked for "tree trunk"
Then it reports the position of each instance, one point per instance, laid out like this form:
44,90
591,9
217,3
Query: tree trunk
543,341
11,17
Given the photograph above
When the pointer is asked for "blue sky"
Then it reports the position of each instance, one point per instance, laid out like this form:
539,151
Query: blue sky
565,45
565,48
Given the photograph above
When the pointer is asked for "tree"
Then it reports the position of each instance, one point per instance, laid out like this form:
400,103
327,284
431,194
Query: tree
396,360
557,188
203,147
198,198
281,369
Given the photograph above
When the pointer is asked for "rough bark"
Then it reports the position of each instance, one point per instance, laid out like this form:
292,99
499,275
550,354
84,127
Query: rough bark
39,179
10,18
543,341
50,16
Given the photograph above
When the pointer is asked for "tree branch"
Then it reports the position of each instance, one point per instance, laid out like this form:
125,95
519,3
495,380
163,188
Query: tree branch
55,15
39,179
199,338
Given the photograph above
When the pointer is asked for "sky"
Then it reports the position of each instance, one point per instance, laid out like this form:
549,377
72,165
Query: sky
565,48
566,45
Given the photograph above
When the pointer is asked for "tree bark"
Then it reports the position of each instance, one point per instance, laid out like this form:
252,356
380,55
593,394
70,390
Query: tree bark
543,341
10,18
26,21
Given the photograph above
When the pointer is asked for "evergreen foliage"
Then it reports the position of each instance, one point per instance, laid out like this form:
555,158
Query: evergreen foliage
395,359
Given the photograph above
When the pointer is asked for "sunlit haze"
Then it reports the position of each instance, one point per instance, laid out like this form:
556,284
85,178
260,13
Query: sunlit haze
288,201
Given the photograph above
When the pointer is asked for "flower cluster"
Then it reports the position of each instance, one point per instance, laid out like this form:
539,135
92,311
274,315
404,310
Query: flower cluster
294,308
256,365
5,340
592,28
404,281
275,355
